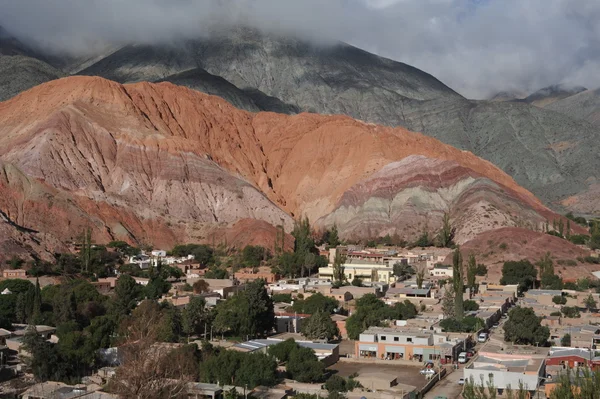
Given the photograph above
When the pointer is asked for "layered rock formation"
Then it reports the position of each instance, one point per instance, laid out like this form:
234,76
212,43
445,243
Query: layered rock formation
160,163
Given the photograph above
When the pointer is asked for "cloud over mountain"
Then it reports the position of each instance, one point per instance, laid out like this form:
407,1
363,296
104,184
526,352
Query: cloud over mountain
478,47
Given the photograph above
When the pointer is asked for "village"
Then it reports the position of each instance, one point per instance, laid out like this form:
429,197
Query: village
409,350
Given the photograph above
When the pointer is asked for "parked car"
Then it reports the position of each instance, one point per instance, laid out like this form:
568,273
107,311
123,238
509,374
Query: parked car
482,337
461,381
462,357
496,324
427,371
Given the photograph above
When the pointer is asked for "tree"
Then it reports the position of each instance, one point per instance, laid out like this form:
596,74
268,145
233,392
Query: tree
126,295
448,308
423,241
194,317
470,306
467,324
282,350
458,284
420,277
200,287
570,312
314,303
44,359
338,267
471,274
166,376
524,327
303,366
335,383
85,253
559,299
548,279
333,239
590,303
227,367
566,340
403,270
319,326
252,256
520,272
249,312
446,234
481,270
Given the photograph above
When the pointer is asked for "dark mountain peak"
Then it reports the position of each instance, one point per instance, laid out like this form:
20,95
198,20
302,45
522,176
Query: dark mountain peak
547,95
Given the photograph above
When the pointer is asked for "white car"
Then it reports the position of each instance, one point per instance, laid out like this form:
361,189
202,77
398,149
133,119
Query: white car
427,371
462,357
461,381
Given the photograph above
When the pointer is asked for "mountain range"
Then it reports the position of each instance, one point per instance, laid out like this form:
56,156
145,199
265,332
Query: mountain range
163,163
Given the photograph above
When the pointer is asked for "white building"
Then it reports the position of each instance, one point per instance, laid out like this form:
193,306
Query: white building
506,370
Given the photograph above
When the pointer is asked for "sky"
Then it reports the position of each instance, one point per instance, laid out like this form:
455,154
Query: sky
477,47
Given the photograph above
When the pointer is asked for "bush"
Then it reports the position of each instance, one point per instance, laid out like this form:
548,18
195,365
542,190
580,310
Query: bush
481,270
556,314
357,282
470,305
286,298
571,312
503,246
592,259
579,239
566,340
467,324
567,262
559,300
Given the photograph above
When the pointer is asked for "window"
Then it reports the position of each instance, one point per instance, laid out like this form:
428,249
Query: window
396,339
408,339
383,338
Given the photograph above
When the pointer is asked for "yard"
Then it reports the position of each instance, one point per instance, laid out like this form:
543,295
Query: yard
406,374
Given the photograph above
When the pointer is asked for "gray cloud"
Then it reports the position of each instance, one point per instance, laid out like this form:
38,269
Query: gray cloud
475,46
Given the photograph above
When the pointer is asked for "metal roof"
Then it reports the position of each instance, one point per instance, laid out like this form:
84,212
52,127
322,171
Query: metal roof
257,344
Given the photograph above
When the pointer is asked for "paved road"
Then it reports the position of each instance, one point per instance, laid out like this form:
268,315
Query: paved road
447,387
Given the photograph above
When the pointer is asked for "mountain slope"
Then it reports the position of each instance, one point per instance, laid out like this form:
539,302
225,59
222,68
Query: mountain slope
548,153
549,95
178,65
20,68
162,164
583,106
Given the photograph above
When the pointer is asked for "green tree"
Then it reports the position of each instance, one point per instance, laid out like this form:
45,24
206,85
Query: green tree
548,279
126,295
420,277
590,302
249,312
16,286
85,253
194,316
481,270
559,299
282,350
520,272
44,360
303,366
458,284
338,268
333,239
448,307
403,270
314,303
470,305
252,256
524,327
335,383
446,234
566,340
319,326
423,241
472,274
570,312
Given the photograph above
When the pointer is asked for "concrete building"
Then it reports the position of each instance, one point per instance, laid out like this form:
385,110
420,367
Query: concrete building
507,370
572,358
14,273
395,343
363,270
141,280
441,271
543,297
328,353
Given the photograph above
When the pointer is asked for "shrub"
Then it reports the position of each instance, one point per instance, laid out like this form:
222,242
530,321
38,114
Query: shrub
559,300
503,246
571,312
